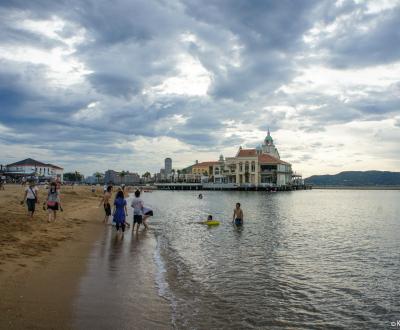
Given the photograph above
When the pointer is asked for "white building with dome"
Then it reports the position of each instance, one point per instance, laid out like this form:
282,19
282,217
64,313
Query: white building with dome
258,167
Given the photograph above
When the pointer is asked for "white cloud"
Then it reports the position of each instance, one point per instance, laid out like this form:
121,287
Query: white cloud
192,79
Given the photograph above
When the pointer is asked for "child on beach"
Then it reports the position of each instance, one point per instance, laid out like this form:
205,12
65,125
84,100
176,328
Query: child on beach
106,203
147,213
31,198
53,202
137,205
237,215
120,211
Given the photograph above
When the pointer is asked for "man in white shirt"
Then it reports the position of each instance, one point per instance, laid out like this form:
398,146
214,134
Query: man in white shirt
137,205
31,198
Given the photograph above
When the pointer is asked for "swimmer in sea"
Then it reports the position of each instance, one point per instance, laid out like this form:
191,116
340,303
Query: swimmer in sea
237,215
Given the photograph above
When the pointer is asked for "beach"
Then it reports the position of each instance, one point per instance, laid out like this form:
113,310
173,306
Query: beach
42,264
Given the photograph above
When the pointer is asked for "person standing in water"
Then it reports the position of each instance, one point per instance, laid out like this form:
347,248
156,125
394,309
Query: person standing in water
106,203
137,205
237,215
31,198
53,202
120,211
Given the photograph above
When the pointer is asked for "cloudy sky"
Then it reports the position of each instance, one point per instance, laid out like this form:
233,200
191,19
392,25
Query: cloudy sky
96,84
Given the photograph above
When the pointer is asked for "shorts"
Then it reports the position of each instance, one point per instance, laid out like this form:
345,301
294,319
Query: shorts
107,209
53,207
238,222
137,218
31,204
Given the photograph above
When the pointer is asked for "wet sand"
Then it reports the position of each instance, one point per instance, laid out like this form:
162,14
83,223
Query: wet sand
118,290
42,264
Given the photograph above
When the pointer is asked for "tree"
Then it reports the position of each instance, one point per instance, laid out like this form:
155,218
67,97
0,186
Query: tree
122,174
98,176
146,175
73,176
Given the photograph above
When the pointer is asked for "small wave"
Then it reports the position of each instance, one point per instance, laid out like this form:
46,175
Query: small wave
161,282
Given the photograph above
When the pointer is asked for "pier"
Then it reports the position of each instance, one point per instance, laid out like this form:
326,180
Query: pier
228,186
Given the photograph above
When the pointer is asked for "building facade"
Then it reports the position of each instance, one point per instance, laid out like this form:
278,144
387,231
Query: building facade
261,166
168,166
256,167
33,168
127,178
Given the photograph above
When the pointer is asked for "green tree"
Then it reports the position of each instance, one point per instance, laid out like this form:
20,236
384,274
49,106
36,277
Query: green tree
122,174
146,175
73,176
98,176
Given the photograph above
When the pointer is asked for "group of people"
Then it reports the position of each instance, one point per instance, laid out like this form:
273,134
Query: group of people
119,211
237,218
52,202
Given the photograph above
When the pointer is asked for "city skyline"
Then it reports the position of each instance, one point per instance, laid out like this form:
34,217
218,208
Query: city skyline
192,80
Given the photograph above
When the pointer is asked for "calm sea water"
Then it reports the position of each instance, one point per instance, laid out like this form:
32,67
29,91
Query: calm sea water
319,259
305,259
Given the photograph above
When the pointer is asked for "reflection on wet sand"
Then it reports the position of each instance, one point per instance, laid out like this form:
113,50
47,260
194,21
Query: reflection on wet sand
118,290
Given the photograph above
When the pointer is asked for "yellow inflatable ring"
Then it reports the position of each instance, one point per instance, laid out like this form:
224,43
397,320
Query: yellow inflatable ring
211,223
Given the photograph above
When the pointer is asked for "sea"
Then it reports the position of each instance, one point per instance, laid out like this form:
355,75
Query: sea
312,259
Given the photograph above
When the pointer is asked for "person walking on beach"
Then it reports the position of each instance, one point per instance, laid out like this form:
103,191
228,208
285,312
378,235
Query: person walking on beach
106,203
237,215
120,211
31,198
137,205
53,202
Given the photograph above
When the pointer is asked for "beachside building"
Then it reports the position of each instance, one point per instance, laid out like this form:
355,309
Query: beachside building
204,168
258,167
168,166
33,168
126,178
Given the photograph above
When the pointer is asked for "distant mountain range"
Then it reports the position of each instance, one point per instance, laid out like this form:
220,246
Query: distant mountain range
356,178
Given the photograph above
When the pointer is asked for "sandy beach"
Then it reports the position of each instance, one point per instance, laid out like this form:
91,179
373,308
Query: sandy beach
37,274
41,263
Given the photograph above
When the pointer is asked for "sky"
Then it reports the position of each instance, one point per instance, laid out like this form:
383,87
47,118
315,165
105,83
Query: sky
92,85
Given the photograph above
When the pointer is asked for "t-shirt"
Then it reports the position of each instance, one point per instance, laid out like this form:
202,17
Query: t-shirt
30,194
53,196
137,205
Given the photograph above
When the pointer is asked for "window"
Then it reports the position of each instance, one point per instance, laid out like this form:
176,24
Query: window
240,167
253,166
246,167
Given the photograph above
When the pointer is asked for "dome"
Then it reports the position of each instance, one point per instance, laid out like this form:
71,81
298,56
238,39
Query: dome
268,138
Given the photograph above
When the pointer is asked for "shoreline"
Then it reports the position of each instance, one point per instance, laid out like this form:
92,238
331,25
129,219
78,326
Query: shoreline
44,267
41,263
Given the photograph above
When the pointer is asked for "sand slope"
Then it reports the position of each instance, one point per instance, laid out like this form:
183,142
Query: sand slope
41,263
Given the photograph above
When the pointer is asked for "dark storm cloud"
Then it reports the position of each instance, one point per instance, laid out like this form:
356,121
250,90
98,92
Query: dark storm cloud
114,85
353,46
266,32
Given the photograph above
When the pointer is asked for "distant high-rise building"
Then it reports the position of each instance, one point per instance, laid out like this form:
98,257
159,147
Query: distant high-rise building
168,166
